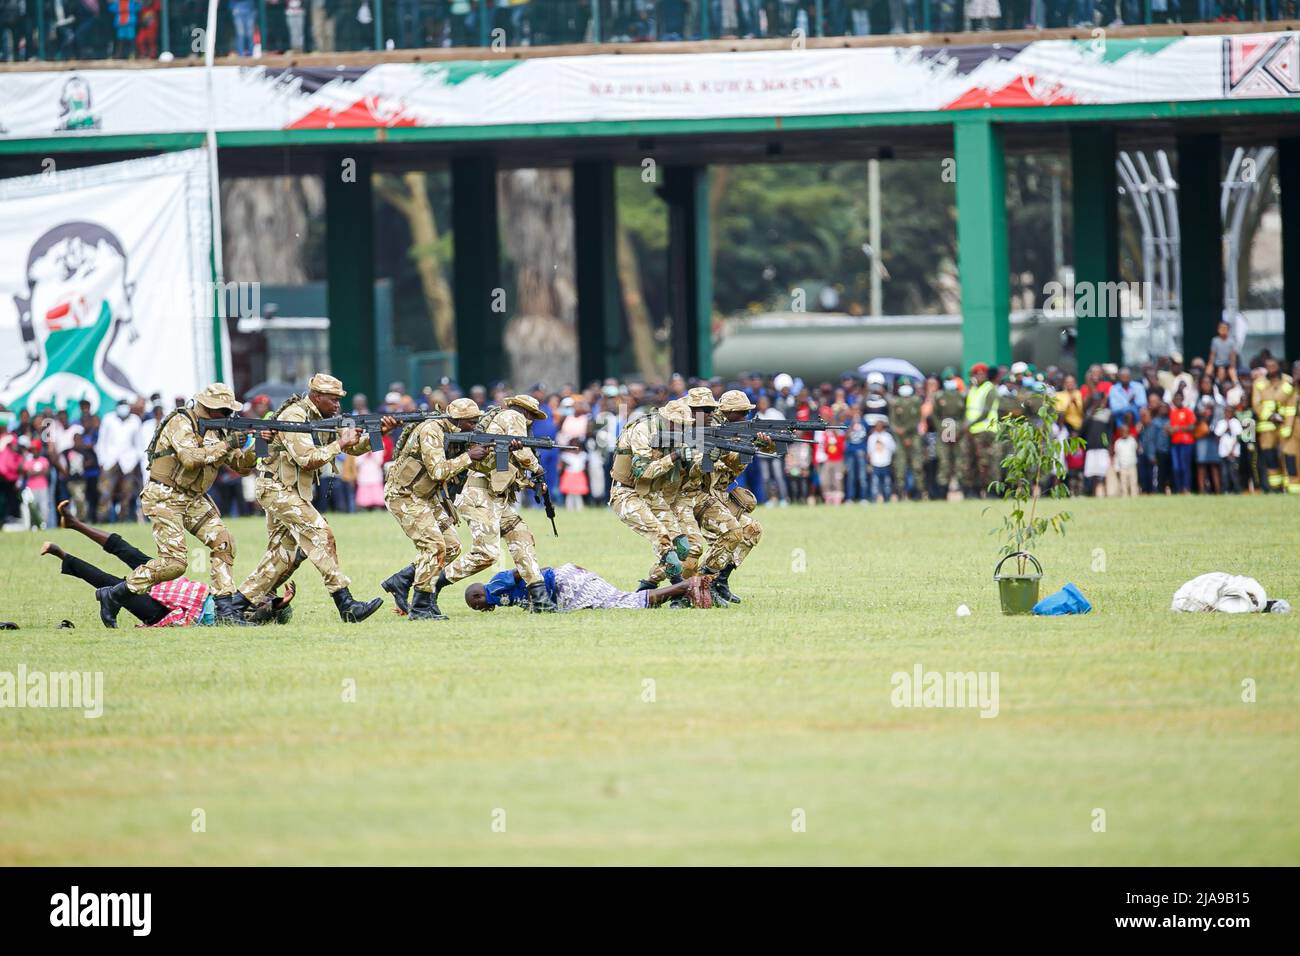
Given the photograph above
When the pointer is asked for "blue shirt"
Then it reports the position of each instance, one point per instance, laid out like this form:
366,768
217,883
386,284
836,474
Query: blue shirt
504,590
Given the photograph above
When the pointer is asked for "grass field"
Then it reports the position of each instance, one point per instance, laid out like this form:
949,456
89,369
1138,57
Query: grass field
780,705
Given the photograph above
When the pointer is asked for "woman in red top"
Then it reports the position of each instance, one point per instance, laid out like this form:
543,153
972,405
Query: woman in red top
830,455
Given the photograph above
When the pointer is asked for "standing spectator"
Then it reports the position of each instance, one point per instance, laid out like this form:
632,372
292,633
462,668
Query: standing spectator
1163,441
11,472
880,454
146,34
1125,454
125,15
1126,397
798,468
773,469
119,460
13,29
36,480
244,15
1247,452
830,452
1228,431
574,484
345,488
1069,405
370,481
295,16
1182,427
1146,464
1096,435
1208,461
858,485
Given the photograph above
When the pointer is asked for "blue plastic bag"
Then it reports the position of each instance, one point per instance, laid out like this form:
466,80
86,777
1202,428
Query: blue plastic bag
1068,600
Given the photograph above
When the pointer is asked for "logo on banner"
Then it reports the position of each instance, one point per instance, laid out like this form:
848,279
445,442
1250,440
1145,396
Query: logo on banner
76,303
75,107
1256,66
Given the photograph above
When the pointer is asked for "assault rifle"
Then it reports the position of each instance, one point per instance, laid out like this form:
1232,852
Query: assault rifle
501,444
782,432
543,498
370,422
709,438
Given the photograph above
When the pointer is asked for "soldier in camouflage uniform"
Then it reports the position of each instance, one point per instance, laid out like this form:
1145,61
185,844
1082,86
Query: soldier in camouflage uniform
284,488
183,464
725,514
678,504
644,464
979,433
905,421
949,410
487,504
415,493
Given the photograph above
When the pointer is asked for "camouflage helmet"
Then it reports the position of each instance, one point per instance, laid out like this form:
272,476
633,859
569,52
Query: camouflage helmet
463,408
734,400
218,395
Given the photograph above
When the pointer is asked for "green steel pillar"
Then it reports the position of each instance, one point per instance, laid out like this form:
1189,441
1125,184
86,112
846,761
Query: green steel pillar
1200,181
1096,239
350,261
601,338
690,268
982,261
481,306
1288,175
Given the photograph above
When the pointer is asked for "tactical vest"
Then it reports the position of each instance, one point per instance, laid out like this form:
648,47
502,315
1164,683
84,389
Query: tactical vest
408,472
623,473
166,468
277,460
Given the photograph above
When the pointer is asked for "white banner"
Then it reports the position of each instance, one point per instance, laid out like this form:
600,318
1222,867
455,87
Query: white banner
106,283
649,87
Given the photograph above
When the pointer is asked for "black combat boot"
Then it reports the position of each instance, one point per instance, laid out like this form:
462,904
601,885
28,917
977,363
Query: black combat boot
539,600
424,607
110,602
399,586
230,609
352,611
646,584
722,586
718,599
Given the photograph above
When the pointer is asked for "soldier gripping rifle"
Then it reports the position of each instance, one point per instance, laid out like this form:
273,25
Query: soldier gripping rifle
370,423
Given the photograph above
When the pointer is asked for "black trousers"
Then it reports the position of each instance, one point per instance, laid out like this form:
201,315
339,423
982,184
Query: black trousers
142,606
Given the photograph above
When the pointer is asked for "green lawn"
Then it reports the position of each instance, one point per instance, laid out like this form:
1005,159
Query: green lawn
779,705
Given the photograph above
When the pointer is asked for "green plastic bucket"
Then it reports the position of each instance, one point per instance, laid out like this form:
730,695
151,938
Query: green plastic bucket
1018,592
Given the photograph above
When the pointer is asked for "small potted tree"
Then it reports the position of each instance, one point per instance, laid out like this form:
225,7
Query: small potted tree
1036,458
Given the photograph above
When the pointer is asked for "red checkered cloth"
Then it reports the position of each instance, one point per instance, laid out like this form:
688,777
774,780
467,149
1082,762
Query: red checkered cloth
185,599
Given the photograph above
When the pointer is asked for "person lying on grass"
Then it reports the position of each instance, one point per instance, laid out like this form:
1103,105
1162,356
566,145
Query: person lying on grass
574,589
176,603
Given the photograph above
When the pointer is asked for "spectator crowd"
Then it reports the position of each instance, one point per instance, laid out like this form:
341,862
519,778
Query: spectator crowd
1162,428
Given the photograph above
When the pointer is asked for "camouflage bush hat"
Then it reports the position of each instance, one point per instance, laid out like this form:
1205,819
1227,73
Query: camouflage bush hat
528,405
218,395
464,408
734,400
676,412
701,397
326,385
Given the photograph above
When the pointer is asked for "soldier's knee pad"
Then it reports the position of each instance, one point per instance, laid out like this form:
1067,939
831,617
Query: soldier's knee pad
169,569
223,547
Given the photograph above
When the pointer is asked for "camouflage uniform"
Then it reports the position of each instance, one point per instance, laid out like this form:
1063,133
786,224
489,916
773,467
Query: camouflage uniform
414,493
643,470
904,419
487,501
979,442
728,547
949,408
284,488
183,463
